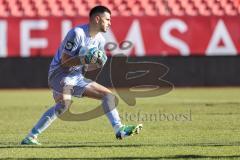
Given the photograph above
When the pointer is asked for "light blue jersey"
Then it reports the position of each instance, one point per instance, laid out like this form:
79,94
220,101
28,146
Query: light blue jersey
75,43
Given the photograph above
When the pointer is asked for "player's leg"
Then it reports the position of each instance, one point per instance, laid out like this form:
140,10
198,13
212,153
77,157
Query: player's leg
97,91
49,116
44,122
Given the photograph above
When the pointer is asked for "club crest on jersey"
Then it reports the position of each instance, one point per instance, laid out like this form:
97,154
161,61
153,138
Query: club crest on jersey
69,46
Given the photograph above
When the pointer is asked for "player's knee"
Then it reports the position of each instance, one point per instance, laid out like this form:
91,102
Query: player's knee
107,93
62,107
57,97
111,99
58,100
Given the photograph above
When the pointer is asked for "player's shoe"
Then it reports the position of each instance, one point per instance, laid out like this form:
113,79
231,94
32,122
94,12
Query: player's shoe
128,130
30,141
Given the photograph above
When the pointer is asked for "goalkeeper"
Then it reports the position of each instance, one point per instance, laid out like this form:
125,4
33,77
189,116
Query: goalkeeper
83,47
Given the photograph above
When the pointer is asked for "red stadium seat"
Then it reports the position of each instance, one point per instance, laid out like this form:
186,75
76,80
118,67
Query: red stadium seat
175,7
81,7
14,8
30,7
230,10
68,8
4,12
203,8
71,8
42,10
150,11
124,10
162,8
236,4
189,7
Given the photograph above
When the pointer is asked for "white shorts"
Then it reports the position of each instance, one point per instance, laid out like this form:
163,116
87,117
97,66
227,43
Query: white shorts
76,81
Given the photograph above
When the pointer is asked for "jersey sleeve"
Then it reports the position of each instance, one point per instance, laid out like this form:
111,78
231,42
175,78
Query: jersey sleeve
72,42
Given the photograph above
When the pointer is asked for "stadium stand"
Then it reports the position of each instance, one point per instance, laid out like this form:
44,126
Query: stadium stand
44,8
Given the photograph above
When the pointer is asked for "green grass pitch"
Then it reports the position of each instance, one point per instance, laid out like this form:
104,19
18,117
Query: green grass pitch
186,123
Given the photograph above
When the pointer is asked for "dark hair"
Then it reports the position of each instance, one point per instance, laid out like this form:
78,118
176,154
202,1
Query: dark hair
99,9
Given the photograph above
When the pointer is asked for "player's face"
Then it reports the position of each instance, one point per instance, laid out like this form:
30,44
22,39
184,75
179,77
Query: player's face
105,22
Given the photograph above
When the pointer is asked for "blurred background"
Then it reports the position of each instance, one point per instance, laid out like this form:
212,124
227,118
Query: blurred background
198,40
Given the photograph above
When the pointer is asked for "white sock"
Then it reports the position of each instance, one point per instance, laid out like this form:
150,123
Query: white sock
117,127
45,121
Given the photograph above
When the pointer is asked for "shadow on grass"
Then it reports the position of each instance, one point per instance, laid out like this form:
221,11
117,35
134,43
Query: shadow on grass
98,145
119,158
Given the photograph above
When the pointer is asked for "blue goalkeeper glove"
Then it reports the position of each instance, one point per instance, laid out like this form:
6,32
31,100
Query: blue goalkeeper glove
91,56
101,59
95,56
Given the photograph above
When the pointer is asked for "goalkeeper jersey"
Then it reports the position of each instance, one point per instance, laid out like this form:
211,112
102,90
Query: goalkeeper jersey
75,43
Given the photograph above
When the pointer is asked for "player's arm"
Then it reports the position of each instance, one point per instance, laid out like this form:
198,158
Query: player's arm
73,56
93,58
70,61
72,42
88,68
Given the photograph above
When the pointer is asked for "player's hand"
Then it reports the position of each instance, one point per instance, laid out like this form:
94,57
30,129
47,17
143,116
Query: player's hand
96,56
102,59
91,56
